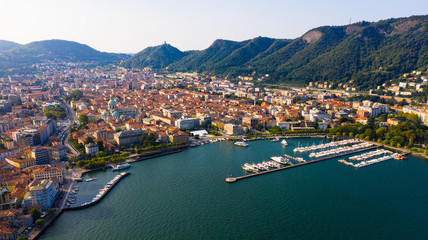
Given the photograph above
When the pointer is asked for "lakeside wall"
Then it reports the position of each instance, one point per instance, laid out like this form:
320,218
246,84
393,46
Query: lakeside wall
100,199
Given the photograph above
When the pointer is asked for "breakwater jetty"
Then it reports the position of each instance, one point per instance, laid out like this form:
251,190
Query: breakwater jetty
234,179
102,194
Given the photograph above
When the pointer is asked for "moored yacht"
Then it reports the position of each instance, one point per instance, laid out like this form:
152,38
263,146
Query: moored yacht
280,159
241,144
121,166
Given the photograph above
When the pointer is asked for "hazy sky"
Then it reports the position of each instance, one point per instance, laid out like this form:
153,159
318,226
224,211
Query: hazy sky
131,25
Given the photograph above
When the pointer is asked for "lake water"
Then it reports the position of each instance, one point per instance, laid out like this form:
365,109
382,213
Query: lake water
185,196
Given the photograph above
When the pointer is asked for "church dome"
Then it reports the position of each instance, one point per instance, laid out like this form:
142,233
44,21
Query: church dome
112,102
104,112
115,113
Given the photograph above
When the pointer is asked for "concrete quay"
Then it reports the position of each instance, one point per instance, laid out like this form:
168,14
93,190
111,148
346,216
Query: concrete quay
99,199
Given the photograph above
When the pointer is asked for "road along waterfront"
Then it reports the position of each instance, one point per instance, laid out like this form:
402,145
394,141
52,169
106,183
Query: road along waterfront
184,196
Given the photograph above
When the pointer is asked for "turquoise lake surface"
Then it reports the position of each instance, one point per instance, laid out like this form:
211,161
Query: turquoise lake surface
185,196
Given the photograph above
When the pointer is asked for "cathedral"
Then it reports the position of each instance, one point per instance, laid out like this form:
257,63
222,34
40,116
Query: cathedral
114,113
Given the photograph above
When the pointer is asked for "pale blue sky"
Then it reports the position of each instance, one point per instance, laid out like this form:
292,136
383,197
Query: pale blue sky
131,25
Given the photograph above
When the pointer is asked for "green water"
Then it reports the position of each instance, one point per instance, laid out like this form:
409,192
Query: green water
185,196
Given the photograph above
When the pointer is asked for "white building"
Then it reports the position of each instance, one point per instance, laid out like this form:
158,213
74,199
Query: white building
48,172
402,84
42,193
200,133
91,149
422,112
375,109
316,115
233,130
187,123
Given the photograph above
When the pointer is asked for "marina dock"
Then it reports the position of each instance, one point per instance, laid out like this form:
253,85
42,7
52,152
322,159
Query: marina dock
234,179
121,176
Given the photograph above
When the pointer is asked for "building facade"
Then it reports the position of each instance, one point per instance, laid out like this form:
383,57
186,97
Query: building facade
48,172
233,130
91,149
127,138
41,155
6,201
188,123
43,193
59,153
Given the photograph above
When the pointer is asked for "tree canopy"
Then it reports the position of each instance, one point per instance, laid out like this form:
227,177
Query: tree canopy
75,95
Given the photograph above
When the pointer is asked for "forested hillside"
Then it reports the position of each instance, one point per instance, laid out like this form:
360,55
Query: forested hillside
364,54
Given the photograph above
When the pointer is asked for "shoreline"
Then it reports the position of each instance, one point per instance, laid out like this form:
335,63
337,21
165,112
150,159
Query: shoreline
73,181
159,154
99,199
131,159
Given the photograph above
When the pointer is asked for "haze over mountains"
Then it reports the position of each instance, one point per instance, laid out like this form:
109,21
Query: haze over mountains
16,56
7,45
366,53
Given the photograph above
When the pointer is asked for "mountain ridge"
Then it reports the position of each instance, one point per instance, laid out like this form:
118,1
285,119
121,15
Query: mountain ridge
365,53
8,45
24,56
158,56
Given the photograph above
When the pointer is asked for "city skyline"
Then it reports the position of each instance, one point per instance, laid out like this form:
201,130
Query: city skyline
131,26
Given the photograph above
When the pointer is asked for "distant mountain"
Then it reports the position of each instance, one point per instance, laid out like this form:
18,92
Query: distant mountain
363,54
157,57
23,56
223,55
7,45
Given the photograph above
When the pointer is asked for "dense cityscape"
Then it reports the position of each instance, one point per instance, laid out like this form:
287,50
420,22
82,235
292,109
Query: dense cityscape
67,120
213,120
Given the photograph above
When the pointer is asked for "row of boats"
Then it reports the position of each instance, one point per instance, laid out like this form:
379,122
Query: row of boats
368,155
283,142
244,144
326,145
201,143
340,150
263,166
276,162
72,196
373,161
105,189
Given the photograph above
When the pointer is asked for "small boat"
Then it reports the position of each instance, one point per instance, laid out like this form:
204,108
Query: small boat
400,157
90,179
284,143
121,166
275,140
241,144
